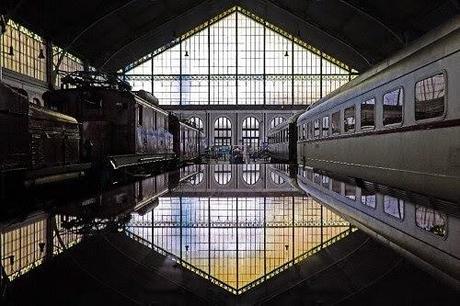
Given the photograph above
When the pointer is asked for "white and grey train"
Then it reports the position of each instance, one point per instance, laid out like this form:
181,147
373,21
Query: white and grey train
397,124
423,229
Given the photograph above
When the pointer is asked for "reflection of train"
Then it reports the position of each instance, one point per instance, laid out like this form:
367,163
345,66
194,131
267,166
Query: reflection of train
282,141
397,124
100,124
424,229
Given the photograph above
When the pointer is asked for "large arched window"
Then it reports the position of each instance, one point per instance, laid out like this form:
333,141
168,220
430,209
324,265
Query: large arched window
250,133
197,122
222,132
275,121
222,173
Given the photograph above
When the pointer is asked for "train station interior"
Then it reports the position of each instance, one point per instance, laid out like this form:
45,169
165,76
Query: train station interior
229,152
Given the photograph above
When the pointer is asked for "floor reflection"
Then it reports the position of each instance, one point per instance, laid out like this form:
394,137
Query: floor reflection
237,242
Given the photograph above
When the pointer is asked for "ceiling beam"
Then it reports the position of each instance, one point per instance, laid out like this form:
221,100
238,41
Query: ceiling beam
361,11
369,61
169,26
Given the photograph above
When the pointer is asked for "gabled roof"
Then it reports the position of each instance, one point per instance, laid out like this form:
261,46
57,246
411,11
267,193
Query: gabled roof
111,34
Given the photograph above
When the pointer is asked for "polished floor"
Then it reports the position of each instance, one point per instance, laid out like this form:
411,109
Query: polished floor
224,234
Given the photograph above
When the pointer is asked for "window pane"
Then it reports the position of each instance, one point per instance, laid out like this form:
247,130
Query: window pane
325,126
349,119
336,123
317,133
368,114
429,97
393,107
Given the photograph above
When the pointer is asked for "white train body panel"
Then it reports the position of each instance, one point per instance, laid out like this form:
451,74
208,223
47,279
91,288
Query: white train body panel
417,155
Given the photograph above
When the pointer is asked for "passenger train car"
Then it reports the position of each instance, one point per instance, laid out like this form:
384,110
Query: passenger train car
424,229
186,139
398,124
282,141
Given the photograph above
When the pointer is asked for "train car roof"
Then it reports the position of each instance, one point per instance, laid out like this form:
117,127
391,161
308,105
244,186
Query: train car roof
449,28
292,119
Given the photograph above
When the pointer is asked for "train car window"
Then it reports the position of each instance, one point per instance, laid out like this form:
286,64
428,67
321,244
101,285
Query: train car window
431,220
393,206
350,192
368,198
393,107
368,114
140,114
309,134
325,126
316,126
336,123
430,97
349,119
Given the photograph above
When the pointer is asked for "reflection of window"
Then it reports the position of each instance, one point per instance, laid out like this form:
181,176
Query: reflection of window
350,192
431,220
222,173
250,132
336,123
349,119
275,121
393,107
393,206
196,179
368,198
368,114
429,97
277,179
325,181
197,122
251,173
337,186
222,132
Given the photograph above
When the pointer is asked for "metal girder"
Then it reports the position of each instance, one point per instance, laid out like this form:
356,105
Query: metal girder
334,36
202,5
398,37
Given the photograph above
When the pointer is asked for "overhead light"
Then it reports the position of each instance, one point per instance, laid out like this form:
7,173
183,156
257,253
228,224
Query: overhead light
286,54
41,55
11,51
186,53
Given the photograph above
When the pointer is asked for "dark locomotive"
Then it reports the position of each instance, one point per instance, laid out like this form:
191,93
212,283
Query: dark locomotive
118,127
37,145
98,124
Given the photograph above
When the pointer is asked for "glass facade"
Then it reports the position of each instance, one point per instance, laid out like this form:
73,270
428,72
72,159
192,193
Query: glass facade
238,58
20,51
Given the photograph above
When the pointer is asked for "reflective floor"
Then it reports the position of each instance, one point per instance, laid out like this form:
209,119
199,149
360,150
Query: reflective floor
229,235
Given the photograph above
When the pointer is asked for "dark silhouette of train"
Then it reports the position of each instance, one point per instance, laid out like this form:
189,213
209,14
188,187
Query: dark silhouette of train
94,122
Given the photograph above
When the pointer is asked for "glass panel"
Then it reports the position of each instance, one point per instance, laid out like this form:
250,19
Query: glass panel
429,97
393,206
393,107
431,220
275,121
325,126
368,114
222,132
349,119
336,128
